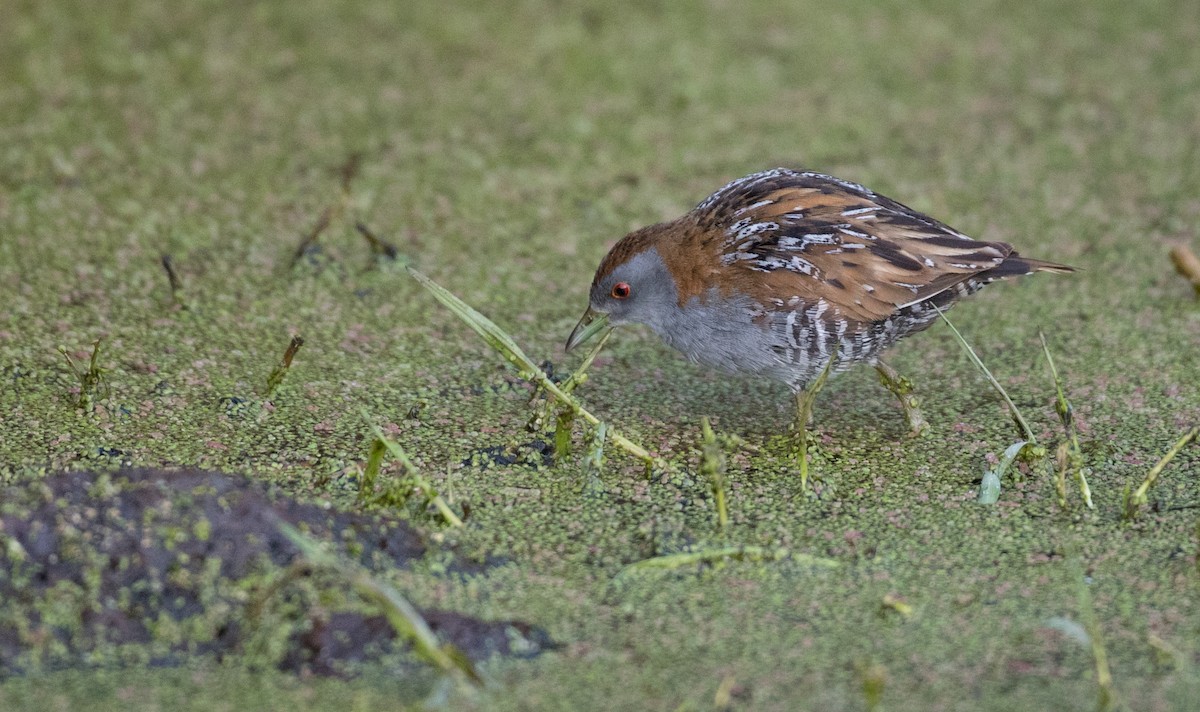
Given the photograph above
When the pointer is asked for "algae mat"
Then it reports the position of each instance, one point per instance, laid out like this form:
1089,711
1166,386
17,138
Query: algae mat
502,149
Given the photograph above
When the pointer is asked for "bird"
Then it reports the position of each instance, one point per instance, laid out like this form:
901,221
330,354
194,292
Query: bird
791,275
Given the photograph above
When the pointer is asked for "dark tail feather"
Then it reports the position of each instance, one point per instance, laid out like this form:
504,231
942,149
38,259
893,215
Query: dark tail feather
1015,266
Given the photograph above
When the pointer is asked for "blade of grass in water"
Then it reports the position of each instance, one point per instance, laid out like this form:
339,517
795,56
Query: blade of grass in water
579,376
383,442
281,370
989,489
499,340
1106,693
1026,432
1070,458
403,617
565,418
1137,499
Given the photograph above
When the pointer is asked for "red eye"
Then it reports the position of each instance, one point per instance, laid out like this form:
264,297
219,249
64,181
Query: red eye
621,290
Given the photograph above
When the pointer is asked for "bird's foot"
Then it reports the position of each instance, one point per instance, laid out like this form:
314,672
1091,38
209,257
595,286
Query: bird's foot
903,389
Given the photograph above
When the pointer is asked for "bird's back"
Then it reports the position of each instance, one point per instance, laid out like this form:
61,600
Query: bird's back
840,270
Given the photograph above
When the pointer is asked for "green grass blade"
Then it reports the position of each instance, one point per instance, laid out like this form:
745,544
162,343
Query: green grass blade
425,486
1071,458
1022,425
1139,498
402,615
498,339
485,327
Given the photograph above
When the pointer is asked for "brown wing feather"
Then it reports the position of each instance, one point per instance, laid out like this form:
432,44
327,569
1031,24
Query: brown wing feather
791,234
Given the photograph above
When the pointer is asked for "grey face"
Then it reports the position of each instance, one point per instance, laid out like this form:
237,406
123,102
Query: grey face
711,328
650,292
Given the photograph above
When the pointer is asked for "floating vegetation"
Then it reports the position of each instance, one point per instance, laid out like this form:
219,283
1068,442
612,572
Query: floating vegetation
139,568
873,678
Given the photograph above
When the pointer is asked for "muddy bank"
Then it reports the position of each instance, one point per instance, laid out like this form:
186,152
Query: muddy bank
152,567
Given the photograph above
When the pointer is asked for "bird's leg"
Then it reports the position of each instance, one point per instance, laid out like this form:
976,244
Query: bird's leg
804,417
903,389
802,420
